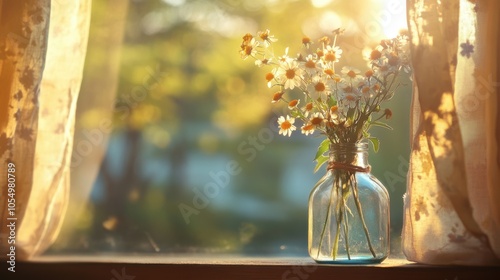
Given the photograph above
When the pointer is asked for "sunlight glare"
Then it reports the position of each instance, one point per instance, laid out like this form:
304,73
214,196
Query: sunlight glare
320,3
392,17
329,21
175,3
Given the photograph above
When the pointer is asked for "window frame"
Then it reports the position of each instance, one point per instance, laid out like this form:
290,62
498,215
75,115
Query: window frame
187,266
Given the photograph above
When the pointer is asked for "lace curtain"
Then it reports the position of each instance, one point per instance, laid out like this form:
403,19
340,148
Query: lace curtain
452,204
42,50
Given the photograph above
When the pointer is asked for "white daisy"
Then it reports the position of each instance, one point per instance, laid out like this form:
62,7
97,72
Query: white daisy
290,74
286,125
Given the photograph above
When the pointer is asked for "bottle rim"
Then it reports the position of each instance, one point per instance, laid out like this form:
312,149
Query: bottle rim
361,146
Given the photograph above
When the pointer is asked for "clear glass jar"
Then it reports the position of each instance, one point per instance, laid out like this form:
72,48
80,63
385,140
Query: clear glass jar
349,210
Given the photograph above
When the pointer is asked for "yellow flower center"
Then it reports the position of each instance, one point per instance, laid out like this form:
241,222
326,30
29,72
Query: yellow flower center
290,74
293,103
316,120
330,56
329,72
310,64
286,125
309,106
350,97
375,54
269,76
308,127
319,86
351,74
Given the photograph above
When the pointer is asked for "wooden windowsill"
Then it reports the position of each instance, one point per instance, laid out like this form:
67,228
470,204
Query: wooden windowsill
137,267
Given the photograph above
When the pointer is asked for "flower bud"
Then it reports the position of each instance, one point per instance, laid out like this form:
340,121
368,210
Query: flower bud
388,114
277,96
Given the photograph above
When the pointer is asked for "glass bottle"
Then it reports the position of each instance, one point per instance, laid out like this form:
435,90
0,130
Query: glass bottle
348,210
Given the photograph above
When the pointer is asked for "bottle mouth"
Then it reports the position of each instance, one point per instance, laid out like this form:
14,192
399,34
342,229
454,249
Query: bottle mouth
361,146
349,156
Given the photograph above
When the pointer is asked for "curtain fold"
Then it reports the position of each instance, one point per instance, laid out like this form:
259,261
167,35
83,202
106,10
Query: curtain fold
487,76
24,28
43,79
95,110
451,205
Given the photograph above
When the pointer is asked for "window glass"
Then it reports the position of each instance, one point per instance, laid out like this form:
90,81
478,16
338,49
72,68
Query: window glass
194,162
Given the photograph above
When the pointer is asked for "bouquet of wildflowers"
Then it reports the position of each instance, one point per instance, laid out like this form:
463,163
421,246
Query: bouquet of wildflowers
341,105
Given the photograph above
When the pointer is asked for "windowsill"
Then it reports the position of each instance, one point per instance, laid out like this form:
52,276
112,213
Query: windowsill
125,267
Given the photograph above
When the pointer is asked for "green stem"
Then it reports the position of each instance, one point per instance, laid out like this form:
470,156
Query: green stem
341,214
326,222
338,216
360,211
346,234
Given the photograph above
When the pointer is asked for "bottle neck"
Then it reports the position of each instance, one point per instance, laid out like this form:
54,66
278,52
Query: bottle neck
354,154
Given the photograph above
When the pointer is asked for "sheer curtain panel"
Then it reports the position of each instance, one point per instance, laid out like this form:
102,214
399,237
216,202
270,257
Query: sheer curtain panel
452,204
42,50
